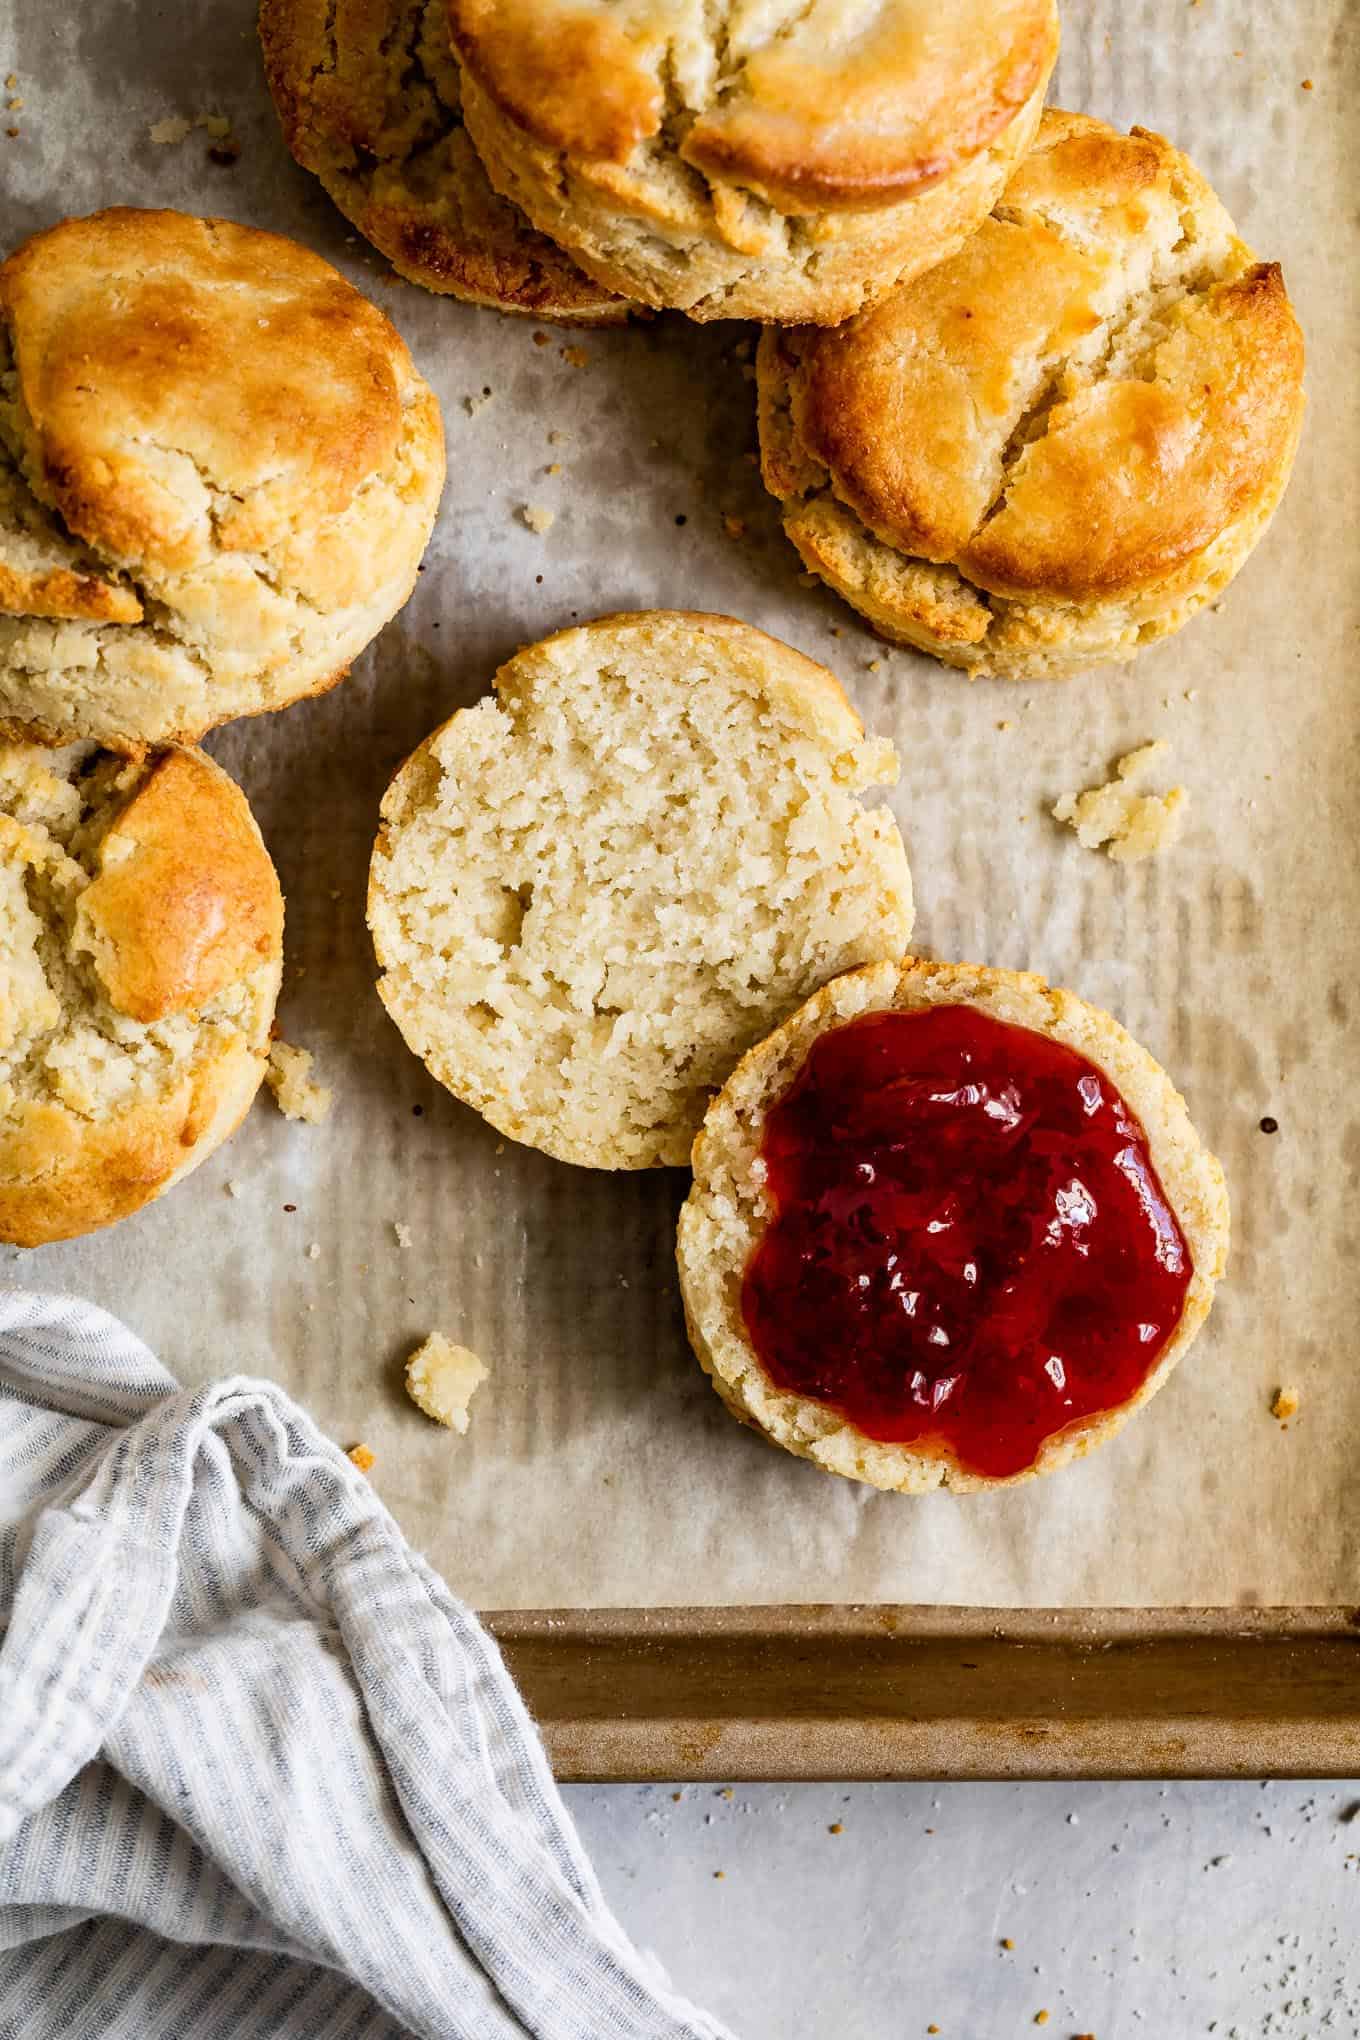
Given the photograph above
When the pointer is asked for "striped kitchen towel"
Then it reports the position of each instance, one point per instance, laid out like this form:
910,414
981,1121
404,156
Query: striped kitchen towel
260,1772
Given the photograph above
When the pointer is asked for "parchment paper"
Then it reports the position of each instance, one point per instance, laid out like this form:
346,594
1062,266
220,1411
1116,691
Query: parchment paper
600,1469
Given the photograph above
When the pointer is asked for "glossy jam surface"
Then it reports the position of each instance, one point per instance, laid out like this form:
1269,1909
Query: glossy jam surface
970,1243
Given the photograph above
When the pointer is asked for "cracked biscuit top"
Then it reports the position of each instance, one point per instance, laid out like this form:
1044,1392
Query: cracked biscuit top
1076,405
218,471
141,929
810,103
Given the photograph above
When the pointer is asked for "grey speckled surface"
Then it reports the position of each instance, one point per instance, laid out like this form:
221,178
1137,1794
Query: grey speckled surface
1138,1912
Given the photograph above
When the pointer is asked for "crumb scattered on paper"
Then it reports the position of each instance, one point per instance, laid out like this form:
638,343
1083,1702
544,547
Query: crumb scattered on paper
1127,824
295,1093
537,517
576,356
234,1189
314,1251
403,1233
170,131
1284,1404
441,1379
559,438
477,402
362,1457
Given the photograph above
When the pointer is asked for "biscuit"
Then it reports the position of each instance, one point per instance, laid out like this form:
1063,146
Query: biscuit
141,932
368,95
218,472
1063,442
728,1208
788,162
592,891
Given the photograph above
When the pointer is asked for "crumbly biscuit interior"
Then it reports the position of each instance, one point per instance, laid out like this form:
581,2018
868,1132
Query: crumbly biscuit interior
592,894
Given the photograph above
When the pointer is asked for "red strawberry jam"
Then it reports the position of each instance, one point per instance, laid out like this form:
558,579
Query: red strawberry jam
970,1246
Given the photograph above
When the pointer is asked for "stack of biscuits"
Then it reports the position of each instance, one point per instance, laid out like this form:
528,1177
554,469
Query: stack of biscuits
1026,402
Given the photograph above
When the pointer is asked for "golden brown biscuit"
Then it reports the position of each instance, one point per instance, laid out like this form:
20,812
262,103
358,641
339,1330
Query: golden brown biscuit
1061,443
787,162
369,98
141,930
729,1207
218,472
593,890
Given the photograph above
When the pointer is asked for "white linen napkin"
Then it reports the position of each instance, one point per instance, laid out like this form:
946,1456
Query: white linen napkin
260,1772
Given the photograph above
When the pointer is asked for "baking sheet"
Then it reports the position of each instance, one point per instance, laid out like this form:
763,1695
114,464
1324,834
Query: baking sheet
600,1470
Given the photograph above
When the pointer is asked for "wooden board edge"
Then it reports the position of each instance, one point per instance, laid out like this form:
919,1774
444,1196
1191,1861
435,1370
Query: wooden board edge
859,1693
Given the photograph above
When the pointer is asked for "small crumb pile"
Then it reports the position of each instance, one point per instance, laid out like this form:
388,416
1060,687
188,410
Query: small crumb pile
295,1093
362,1457
442,1378
176,128
537,517
1284,1404
1129,825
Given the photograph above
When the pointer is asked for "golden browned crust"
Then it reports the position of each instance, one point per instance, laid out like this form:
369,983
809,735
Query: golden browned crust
60,1180
214,421
368,95
784,167
728,1208
808,110
122,325
140,951
183,899
1055,445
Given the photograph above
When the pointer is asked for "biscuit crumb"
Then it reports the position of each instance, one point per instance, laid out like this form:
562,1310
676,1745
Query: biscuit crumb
1007,1943
478,401
537,518
558,438
735,527
234,1188
215,124
295,1093
15,105
360,1456
441,1379
554,467
403,1233
11,80
1041,2018
1305,84
836,1828
170,131
314,1251
1284,1404
576,356
1129,825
